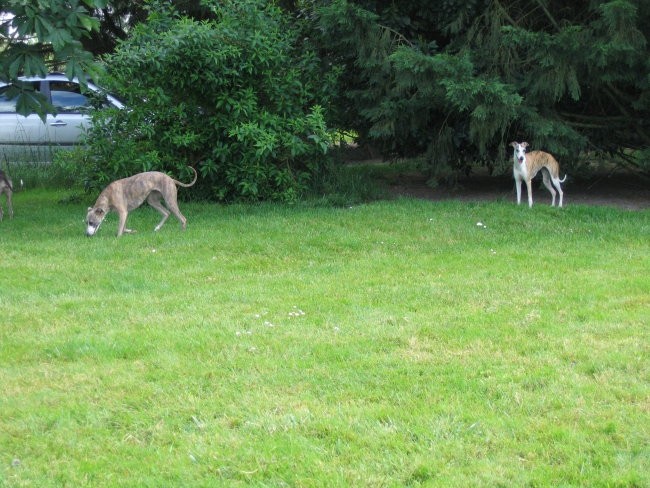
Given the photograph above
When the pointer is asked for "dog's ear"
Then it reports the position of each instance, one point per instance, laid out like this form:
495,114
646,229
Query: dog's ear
513,144
524,144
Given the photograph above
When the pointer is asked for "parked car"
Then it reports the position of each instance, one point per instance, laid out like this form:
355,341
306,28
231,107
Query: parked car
28,138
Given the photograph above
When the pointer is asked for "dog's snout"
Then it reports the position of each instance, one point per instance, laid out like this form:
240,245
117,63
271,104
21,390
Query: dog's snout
90,230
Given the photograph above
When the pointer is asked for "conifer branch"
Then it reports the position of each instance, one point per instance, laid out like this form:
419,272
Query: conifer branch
548,15
398,35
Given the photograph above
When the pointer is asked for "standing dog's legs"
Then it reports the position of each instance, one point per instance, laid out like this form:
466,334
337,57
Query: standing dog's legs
529,189
556,182
547,183
518,187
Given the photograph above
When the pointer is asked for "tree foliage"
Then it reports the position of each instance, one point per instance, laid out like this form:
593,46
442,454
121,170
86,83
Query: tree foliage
118,17
234,95
40,35
457,80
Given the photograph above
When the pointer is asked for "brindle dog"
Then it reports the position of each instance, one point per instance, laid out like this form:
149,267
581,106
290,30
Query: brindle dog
6,189
127,194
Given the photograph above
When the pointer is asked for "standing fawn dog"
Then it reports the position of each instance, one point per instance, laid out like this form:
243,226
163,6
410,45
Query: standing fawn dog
6,189
527,165
127,194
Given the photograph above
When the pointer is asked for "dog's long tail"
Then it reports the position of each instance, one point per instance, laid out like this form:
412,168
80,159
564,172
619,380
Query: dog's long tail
563,179
187,185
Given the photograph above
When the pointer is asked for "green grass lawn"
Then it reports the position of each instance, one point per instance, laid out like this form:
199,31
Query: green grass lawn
396,343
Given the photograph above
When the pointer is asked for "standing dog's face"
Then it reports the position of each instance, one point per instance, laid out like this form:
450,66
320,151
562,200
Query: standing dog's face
94,219
520,151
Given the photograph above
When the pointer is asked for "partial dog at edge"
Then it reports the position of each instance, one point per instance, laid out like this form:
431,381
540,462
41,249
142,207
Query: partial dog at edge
6,189
527,165
127,194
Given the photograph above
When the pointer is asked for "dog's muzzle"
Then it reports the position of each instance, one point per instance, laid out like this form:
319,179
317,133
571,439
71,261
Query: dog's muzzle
91,230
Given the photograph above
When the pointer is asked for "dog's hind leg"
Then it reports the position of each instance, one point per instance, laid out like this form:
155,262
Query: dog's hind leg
547,183
170,197
173,208
10,207
557,182
154,200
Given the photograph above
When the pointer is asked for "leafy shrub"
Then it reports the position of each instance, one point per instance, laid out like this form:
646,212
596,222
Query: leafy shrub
234,96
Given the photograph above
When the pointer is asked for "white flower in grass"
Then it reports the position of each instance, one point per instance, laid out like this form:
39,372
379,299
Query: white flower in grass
296,312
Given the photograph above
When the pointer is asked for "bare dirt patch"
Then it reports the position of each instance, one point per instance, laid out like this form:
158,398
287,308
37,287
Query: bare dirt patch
616,190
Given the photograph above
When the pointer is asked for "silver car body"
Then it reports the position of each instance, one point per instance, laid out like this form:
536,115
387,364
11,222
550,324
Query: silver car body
28,138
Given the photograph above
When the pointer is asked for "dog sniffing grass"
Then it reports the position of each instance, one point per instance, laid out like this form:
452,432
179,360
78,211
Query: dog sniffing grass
129,193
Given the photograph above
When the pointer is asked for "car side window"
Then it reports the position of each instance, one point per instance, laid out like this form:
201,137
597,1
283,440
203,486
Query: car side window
67,97
8,103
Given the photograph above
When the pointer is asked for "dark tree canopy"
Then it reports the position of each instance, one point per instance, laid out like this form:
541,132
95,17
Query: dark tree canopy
118,17
457,80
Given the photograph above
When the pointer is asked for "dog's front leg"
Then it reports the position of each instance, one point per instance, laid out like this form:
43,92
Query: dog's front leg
529,187
121,228
518,188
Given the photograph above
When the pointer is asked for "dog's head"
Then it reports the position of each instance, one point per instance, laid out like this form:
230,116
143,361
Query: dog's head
94,219
520,151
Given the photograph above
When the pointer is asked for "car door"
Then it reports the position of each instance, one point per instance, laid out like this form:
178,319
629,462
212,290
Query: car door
71,120
21,138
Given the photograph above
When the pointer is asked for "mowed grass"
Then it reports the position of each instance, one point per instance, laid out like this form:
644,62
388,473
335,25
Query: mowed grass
396,343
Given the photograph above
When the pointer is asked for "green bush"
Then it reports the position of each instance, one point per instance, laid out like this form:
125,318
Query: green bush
235,96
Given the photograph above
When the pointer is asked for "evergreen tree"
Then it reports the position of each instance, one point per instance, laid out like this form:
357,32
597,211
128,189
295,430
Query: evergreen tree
458,80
